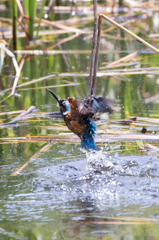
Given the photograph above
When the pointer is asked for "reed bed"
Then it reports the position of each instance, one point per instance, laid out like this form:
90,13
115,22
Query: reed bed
108,132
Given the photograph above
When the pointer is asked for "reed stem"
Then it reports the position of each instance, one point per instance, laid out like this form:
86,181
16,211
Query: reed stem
93,49
14,24
130,33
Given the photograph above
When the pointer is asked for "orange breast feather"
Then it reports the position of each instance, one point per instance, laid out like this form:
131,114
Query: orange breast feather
72,120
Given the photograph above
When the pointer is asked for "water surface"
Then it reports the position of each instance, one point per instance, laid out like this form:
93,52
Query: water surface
70,193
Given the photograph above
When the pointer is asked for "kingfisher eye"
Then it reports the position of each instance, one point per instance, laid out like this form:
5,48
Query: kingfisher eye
65,104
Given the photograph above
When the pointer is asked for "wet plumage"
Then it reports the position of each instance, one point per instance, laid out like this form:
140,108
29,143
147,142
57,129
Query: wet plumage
77,115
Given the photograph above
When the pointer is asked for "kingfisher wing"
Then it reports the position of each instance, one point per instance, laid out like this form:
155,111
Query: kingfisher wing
93,104
79,108
90,106
103,105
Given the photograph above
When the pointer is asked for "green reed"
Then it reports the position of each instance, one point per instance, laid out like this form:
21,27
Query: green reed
14,24
30,10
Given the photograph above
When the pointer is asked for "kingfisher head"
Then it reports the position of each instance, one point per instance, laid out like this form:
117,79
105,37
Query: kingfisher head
64,105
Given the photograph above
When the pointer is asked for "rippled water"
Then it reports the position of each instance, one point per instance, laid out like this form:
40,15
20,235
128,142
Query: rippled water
58,195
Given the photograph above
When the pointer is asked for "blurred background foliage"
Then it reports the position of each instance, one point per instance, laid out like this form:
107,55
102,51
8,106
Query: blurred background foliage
129,91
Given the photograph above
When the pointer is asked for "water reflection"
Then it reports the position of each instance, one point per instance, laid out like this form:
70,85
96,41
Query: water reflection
64,194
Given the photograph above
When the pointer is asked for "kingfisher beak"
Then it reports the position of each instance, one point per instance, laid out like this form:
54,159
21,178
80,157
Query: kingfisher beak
55,96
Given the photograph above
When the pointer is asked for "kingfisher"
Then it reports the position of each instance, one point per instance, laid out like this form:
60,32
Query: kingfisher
77,115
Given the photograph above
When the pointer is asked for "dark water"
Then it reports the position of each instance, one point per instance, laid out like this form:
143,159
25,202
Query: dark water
68,193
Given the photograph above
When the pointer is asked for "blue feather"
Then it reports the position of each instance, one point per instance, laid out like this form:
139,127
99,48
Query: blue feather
88,139
65,104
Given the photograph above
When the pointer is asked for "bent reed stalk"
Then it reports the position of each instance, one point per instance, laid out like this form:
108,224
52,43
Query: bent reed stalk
98,44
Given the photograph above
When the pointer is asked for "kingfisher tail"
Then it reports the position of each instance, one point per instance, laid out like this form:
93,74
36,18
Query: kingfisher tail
88,139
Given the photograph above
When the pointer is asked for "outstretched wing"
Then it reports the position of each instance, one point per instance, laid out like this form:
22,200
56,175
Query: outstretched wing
93,104
90,106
